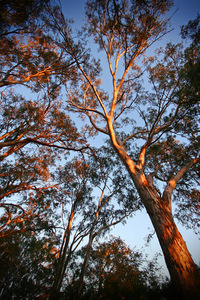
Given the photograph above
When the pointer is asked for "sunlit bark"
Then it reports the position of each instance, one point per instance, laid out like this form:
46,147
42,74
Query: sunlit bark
182,269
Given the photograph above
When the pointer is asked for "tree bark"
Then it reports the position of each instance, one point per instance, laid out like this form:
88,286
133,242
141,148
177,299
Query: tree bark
183,271
62,263
84,266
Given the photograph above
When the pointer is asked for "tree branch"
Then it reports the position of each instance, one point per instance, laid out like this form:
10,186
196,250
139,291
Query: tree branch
134,135
176,178
32,140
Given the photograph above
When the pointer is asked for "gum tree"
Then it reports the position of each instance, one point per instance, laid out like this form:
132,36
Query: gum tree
34,129
145,128
89,191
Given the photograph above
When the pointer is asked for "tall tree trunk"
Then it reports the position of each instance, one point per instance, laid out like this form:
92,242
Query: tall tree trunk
183,271
62,262
84,266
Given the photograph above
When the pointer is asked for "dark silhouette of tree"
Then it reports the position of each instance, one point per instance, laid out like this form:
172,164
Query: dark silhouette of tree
26,265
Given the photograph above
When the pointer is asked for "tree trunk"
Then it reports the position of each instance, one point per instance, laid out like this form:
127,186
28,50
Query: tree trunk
84,266
183,271
62,262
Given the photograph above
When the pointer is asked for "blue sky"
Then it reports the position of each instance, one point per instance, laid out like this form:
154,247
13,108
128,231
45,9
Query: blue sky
187,9
134,232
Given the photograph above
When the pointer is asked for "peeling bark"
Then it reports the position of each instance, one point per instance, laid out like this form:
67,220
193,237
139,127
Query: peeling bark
183,271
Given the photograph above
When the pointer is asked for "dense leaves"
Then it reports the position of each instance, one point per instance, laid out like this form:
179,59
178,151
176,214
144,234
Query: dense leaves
17,16
115,271
26,265
51,200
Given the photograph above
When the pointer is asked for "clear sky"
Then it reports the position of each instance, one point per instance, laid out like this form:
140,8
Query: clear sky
137,228
187,10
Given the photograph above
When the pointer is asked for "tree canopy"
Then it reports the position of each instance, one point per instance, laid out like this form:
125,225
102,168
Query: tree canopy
57,189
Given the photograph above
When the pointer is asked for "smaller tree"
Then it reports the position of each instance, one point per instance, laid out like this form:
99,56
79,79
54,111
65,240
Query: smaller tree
117,272
89,210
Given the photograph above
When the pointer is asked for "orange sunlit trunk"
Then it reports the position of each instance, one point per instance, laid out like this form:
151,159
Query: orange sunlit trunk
183,271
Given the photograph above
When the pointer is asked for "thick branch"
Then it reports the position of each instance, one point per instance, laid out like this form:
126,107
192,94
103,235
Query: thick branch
176,178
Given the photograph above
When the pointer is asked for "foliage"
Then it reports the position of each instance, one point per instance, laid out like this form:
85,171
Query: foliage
89,205
35,131
32,124
26,265
116,271
17,16
50,199
160,121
